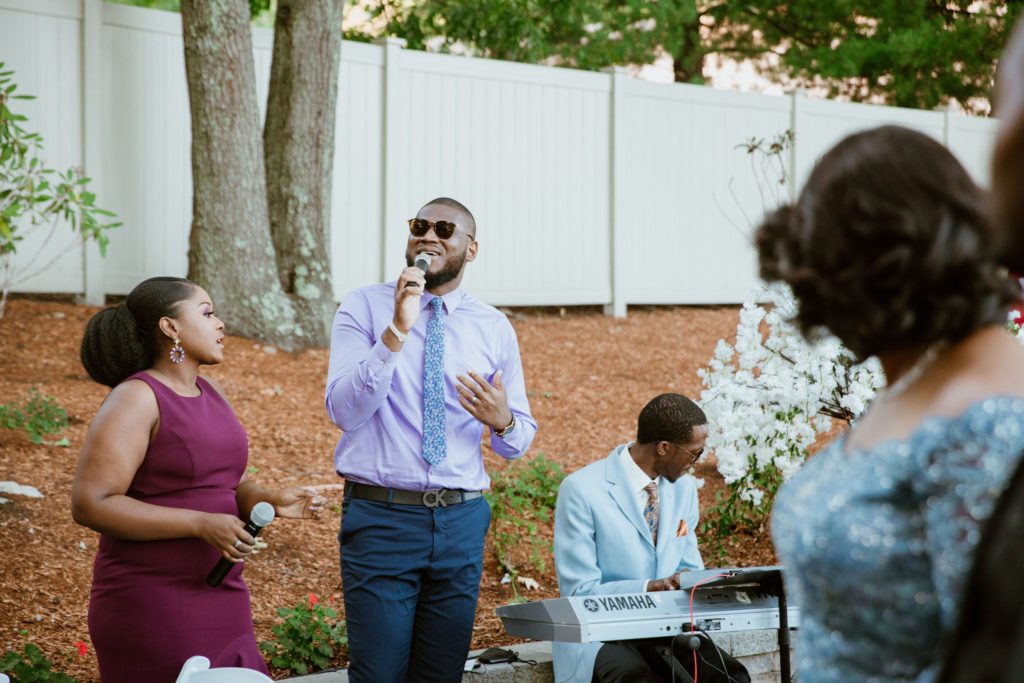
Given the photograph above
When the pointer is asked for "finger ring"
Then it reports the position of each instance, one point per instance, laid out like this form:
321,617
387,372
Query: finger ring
473,400
238,542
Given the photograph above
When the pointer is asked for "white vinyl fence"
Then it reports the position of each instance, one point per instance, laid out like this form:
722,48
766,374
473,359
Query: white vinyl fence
588,188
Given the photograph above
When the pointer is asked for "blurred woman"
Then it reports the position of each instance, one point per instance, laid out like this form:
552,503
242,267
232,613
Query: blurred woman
989,641
888,248
162,478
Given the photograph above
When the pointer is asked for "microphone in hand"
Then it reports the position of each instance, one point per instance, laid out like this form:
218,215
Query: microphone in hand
262,514
423,263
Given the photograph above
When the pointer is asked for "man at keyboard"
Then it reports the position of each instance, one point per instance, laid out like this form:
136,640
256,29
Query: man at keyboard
626,524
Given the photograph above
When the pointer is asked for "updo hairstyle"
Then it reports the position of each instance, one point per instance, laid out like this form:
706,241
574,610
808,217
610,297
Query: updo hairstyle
124,339
887,246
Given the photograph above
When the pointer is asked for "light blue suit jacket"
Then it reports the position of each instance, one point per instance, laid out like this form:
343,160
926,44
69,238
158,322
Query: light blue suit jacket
603,545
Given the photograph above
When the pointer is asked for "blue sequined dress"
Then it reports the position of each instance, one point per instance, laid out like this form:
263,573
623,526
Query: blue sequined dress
876,544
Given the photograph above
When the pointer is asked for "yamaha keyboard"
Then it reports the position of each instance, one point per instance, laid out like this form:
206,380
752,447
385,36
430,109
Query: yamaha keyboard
742,600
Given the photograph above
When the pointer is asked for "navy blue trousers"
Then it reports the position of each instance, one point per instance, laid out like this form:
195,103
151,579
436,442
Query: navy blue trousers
410,576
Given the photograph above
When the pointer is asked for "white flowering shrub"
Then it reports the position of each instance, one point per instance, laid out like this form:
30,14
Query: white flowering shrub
767,397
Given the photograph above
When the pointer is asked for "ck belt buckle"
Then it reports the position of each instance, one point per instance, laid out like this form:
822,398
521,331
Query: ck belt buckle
435,498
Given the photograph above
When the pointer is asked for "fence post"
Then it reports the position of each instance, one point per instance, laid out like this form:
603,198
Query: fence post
617,218
93,285
797,98
391,155
947,112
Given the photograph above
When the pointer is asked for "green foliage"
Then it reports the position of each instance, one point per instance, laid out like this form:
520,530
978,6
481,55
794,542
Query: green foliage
910,53
262,11
520,497
166,5
581,33
30,666
38,414
306,640
916,53
32,196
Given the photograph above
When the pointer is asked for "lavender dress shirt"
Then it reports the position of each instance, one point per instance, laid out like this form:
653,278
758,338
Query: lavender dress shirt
376,395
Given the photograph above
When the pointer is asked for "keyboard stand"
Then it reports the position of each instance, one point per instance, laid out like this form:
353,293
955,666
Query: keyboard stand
770,578
784,668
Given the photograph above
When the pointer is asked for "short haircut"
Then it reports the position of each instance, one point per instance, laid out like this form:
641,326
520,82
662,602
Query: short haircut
669,417
888,246
470,225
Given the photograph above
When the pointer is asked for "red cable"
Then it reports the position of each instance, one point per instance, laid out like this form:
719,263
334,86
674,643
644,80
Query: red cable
692,591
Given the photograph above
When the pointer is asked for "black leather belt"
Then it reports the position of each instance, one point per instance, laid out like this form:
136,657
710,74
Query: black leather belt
430,498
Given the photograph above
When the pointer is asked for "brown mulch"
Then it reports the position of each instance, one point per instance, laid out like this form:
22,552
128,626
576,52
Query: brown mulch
588,376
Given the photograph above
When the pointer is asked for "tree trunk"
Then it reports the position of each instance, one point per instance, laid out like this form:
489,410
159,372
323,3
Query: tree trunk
299,151
232,253
688,61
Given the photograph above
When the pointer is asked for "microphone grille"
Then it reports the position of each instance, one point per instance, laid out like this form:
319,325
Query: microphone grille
262,514
422,262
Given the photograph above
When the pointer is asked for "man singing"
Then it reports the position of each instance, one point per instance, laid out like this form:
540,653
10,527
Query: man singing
418,369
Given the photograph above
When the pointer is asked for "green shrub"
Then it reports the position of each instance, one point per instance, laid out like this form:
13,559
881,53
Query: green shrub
30,666
520,497
306,640
38,414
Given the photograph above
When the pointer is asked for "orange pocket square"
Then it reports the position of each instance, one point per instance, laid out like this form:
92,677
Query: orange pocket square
683,528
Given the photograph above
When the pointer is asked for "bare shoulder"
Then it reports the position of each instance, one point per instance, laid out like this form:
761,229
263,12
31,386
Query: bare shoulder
986,365
114,446
129,403
134,392
989,363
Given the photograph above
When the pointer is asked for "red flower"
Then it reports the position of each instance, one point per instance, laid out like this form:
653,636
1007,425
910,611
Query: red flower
83,649
330,599
313,600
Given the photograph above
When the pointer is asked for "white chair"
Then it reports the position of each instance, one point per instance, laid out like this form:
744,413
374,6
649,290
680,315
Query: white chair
4,678
197,670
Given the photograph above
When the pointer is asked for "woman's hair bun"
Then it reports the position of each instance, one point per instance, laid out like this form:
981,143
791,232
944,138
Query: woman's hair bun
112,347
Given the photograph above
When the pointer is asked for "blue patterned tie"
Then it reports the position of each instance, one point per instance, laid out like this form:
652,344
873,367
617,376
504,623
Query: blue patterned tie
434,444
651,510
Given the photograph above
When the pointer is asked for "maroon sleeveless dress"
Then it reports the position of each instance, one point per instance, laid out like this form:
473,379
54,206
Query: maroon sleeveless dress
150,608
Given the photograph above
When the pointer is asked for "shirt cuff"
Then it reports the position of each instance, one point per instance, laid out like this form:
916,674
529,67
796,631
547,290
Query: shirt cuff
382,354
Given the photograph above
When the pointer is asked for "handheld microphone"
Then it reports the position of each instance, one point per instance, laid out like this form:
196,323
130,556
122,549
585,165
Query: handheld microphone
422,262
262,514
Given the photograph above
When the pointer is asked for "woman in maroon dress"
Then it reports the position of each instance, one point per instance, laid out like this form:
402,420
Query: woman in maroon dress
162,477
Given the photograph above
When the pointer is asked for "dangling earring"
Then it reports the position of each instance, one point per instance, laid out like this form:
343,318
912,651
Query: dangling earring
177,353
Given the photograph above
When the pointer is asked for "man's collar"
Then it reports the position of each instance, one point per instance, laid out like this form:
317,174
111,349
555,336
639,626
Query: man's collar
451,300
636,478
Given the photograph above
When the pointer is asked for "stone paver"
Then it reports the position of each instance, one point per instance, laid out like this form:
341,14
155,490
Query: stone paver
758,650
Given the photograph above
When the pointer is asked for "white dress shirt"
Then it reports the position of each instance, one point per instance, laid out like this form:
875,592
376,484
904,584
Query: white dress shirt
637,480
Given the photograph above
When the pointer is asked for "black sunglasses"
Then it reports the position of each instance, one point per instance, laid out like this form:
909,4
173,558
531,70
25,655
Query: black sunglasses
421,226
695,456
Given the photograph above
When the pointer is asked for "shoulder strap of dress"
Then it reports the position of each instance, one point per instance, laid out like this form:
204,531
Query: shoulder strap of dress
153,383
208,390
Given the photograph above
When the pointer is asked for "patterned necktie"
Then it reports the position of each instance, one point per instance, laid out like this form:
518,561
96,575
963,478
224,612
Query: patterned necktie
651,510
434,444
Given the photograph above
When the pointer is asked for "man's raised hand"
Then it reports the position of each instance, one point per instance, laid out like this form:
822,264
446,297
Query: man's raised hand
484,401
